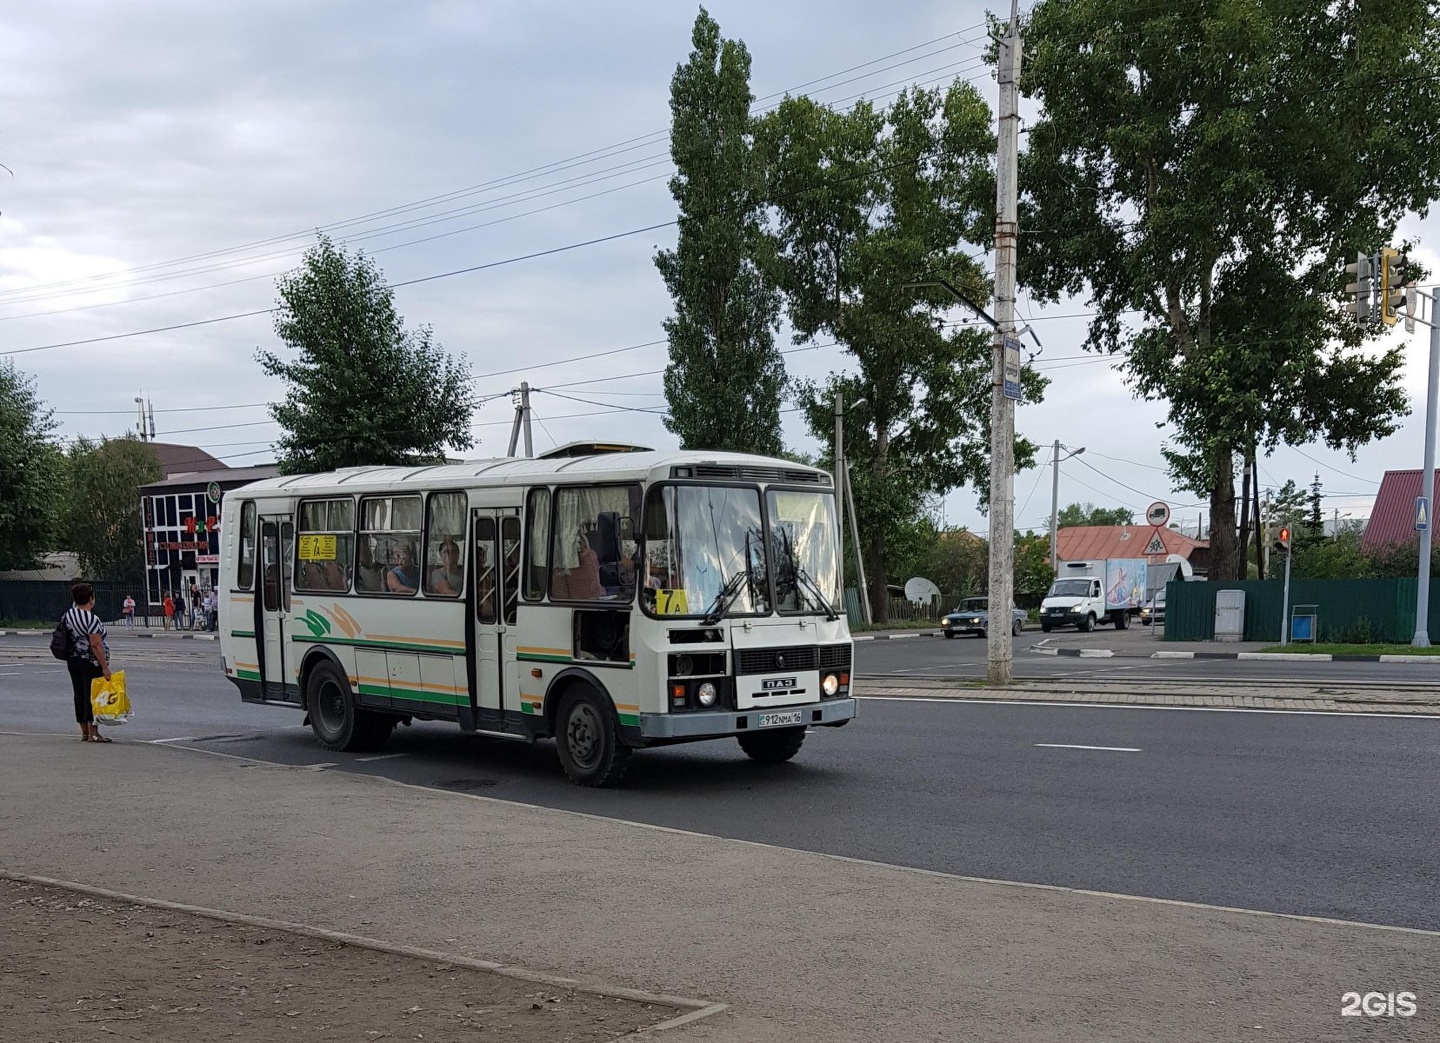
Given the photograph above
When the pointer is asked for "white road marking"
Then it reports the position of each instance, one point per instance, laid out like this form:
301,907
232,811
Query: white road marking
382,757
178,738
1072,746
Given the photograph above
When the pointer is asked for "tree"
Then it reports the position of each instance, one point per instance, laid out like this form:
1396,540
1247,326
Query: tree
361,388
725,377
1033,574
865,202
101,519
29,471
1075,514
1209,171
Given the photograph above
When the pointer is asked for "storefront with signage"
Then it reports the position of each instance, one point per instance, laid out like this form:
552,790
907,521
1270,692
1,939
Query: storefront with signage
181,519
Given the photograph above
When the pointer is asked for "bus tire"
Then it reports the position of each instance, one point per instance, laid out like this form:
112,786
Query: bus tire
587,737
772,747
335,719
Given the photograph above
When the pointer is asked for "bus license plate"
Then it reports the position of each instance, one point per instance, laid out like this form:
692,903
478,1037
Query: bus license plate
774,720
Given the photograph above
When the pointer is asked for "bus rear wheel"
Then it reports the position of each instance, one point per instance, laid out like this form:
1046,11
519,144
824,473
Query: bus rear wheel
337,722
587,737
772,747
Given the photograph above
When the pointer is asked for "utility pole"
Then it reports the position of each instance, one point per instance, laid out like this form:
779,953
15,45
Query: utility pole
855,539
522,421
1427,490
1055,459
840,482
1000,650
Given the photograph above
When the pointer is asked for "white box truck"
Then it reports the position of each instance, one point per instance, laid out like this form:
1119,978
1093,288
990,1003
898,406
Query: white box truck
1087,593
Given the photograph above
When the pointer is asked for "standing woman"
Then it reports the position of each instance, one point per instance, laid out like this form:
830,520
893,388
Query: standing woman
89,657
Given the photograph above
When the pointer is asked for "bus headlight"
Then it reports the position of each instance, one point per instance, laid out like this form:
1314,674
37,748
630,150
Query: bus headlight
707,694
831,684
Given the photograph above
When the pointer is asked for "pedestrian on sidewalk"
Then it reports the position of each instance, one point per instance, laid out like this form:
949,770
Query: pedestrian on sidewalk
169,606
89,657
197,608
128,611
212,609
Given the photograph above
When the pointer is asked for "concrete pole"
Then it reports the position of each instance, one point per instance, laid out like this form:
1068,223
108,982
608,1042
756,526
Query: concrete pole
525,414
1054,502
1285,603
855,539
839,468
1422,588
1000,650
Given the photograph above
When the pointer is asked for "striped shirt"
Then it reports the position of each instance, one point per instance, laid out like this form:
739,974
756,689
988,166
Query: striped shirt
81,625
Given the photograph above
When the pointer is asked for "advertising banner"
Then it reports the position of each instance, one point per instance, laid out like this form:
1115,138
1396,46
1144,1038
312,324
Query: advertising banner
1125,582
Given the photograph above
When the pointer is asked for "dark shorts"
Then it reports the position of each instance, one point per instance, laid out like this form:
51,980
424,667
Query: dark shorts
82,672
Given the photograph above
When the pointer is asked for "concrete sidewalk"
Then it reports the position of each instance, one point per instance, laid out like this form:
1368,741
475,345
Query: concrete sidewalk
803,947
120,631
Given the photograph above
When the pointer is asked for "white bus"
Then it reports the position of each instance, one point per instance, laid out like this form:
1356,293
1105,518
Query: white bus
609,597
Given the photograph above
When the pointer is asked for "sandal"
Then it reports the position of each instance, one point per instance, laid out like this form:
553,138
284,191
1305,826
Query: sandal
101,738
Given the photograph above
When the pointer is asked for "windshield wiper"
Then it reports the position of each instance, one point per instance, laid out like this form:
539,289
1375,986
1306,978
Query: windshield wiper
803,578
723,600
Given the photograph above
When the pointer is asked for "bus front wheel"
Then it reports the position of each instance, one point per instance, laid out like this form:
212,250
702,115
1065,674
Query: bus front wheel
587,738
772,747
337,722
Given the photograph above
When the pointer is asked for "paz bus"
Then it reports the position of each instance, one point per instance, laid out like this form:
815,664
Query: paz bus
610,598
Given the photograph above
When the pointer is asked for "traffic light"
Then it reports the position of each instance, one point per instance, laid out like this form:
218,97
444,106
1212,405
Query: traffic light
1392,290
1282,539
1361,289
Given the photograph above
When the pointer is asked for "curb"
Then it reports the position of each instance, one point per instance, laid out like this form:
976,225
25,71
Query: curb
116,630
894,637
1284,657
695,1009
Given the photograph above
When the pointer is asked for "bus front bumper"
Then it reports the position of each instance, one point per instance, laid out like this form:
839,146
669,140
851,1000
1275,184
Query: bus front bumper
707,724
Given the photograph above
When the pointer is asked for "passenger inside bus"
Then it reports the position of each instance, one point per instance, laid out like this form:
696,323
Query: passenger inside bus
447,575
370,575
403,576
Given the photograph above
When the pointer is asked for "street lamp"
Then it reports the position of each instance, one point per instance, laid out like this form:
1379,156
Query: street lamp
1055,461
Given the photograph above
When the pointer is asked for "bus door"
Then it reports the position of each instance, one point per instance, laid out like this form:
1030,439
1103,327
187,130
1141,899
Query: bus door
277,536
497,591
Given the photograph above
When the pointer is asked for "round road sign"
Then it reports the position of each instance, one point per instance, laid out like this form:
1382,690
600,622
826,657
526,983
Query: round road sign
1157,514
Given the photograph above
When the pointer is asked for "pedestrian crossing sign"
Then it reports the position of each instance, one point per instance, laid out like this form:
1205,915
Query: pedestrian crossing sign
1156,544
1422,513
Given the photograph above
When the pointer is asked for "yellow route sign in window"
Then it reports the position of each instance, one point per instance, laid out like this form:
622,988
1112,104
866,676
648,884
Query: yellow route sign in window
317,548
671,603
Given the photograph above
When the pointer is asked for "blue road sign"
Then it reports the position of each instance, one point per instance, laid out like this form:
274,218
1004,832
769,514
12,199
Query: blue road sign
1422,513
1012,368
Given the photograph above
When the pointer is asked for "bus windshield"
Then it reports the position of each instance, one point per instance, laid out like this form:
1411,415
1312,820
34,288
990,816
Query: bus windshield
705,551
807,573
1070,588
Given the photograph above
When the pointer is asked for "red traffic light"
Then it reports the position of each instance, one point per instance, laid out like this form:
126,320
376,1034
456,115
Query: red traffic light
1285,536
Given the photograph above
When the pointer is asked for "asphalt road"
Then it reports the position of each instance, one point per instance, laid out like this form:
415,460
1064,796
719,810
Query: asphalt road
1322,815
963,658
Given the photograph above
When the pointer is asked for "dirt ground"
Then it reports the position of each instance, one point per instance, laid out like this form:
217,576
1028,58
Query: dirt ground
75,969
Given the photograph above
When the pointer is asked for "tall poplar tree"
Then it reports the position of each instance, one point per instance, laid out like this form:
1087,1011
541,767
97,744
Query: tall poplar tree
30,469
725,377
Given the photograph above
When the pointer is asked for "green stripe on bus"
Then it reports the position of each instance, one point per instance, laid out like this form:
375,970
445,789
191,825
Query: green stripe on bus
632,719
540,657
248,675
400,646
242,633
386,692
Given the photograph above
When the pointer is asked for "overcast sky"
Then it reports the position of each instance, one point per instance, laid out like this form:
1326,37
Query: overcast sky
171,159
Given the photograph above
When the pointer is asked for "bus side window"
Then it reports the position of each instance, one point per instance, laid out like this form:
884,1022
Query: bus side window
537,542
245,569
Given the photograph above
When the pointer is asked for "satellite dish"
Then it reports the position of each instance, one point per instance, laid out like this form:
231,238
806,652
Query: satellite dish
921,591
1186,569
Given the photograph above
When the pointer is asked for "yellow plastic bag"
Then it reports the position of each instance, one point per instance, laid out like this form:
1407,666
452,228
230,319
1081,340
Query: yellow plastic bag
109,701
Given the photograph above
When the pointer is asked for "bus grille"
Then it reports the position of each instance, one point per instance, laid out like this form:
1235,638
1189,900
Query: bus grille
773,660
834,657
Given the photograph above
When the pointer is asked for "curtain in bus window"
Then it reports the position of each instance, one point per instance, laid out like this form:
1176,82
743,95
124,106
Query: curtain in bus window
326,550
590,562
444,545
537,515
245,571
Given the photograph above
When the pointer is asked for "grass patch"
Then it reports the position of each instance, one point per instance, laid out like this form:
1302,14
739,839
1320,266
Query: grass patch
1371,649
24,624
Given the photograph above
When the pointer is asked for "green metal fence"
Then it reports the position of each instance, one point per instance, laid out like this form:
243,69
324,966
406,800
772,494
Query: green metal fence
44,601
1347,609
